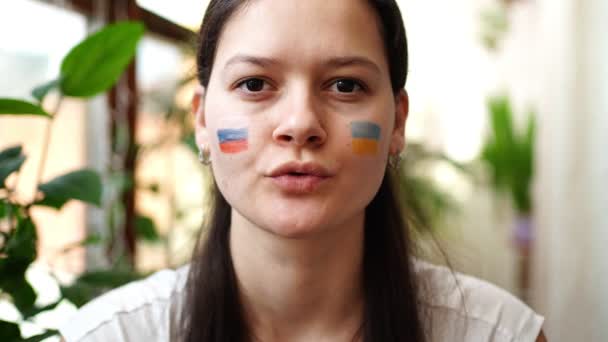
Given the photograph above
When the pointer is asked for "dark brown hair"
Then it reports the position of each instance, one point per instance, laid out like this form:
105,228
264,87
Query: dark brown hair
213,311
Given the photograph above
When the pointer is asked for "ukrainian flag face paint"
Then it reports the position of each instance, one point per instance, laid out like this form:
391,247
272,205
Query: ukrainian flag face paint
366,136
233,140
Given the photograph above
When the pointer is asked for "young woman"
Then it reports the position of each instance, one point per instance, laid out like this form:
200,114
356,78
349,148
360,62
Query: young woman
301,115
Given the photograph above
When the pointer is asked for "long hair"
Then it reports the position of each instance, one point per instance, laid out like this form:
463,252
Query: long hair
213,311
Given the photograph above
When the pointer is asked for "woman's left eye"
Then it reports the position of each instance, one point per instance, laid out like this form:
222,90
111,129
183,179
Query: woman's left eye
253,85
346,85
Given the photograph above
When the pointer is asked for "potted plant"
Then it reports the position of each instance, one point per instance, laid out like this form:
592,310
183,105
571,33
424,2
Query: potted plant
90,68
509,156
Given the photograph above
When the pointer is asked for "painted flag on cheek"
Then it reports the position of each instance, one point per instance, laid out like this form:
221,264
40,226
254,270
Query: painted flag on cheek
366,136
233,140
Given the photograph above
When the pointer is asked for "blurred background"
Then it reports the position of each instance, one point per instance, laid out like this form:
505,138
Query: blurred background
506,163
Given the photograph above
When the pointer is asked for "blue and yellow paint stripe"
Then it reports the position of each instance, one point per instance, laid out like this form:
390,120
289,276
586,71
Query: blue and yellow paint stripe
233,140
366,136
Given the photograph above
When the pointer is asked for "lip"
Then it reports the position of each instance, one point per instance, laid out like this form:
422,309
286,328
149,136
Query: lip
300,178
308,168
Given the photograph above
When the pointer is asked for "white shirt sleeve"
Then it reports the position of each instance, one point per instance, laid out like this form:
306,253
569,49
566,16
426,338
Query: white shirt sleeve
464,308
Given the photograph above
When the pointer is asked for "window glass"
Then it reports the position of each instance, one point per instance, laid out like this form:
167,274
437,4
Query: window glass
165,73
187,13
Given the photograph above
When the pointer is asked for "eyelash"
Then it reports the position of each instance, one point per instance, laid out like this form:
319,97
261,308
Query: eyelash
359,83
239,84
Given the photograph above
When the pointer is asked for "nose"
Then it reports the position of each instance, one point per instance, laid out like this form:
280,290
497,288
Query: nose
299,123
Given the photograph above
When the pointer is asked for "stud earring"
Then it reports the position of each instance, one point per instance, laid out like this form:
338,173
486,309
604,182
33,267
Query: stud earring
394,161
204,155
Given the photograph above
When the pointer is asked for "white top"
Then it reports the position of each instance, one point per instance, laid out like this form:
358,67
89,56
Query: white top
141,311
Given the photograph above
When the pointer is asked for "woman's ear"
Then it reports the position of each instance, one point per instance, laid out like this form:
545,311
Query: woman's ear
200,125
402,107
198,99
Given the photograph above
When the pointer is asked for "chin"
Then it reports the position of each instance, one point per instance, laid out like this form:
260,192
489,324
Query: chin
295,228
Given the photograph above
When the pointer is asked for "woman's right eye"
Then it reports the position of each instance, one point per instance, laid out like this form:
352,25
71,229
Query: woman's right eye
252,85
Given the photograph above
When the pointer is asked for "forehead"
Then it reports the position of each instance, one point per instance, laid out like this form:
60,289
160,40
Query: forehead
303,32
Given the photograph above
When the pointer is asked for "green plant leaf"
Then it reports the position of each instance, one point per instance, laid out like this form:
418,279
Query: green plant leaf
39,93
91,240
20,252
41,337
509,155
4,208
20,248
79,293
9,153
96,63
146,229
11,160
34,310
93,283
83,185
190,141
20,107
21,291
9,331
109,278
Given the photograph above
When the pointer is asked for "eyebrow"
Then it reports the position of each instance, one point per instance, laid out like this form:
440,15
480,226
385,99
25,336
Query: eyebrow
335,62
353,61
260,61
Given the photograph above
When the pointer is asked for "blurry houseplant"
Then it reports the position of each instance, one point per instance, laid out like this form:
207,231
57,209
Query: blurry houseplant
510,158
89,69
425,203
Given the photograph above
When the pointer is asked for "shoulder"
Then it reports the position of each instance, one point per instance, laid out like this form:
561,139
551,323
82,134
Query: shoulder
138,311
460,307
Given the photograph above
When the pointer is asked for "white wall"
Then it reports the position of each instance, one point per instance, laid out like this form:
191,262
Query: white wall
572,198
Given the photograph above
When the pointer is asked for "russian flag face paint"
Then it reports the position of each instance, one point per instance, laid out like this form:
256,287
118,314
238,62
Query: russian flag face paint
233,140
366,136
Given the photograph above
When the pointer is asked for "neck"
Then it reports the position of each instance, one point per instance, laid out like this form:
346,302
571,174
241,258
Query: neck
300,289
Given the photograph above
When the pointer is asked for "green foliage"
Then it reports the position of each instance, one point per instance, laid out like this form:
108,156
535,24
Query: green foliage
90,240
146,229
190,142
11,160
20,252
9,331
39,93
91,284
90,68
94,65
41,337
4,210
20,107
83,185
509,155
494,26
33,311
424,201
79,294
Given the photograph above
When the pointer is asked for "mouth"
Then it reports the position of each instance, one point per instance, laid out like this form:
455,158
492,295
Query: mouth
296,168
299,183
300,178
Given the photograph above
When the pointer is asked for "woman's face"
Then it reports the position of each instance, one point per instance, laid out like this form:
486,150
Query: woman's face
307,83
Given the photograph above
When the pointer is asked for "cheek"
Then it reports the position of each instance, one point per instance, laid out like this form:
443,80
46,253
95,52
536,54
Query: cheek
233,140
366,138
230,136
366,165
232,152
